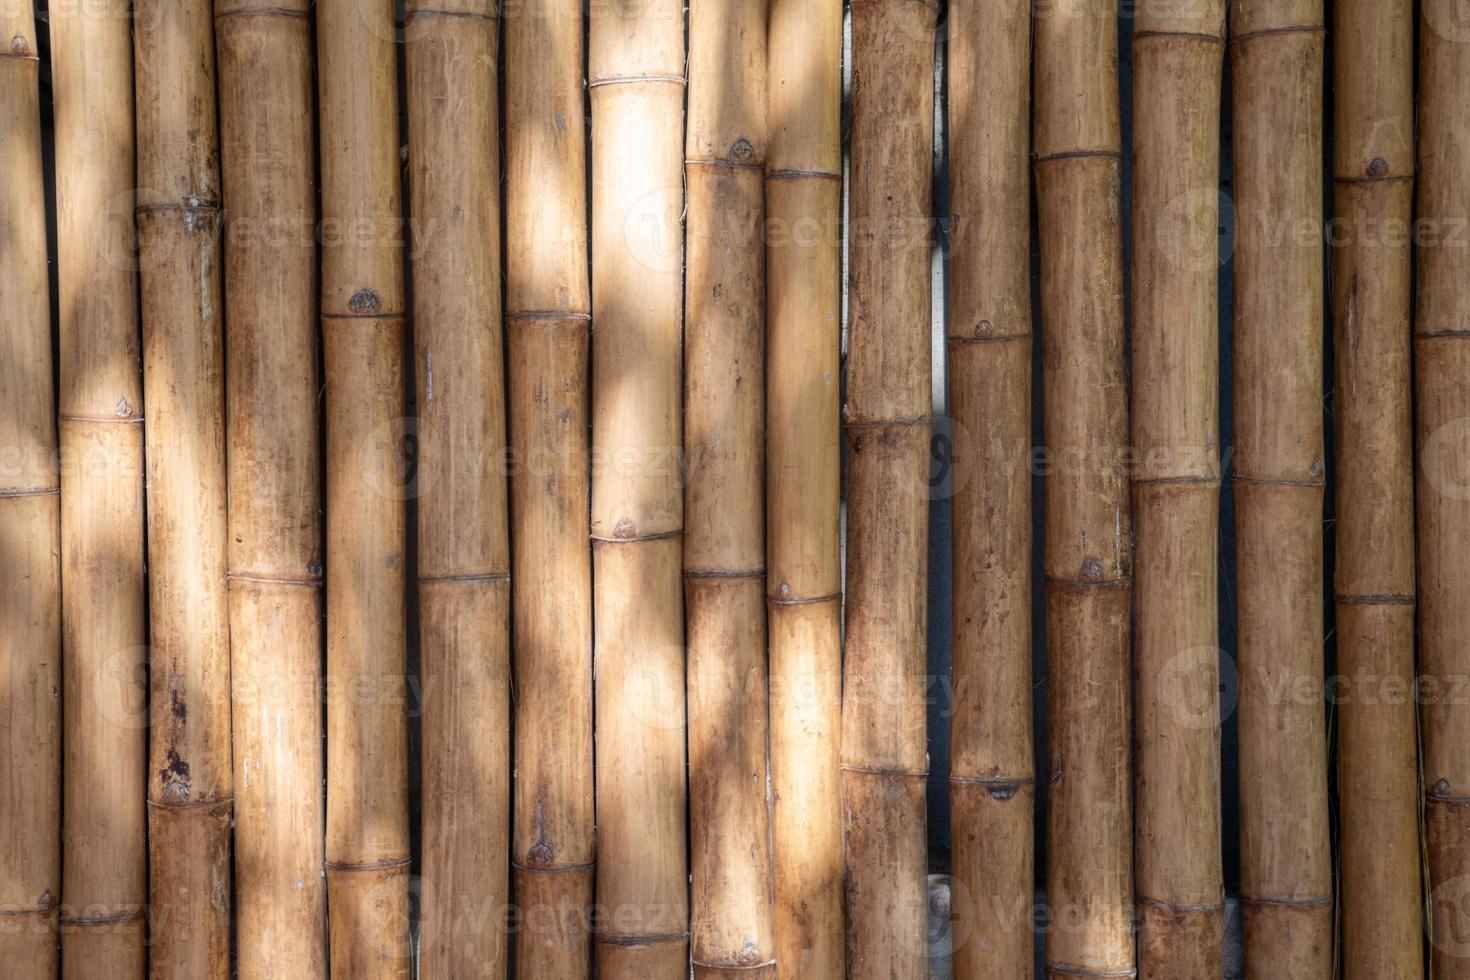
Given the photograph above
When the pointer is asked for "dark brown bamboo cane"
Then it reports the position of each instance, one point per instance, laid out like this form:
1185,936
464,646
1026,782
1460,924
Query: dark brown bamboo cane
1442,377
464,555
884,755
190,784
104,693
804,571
30,529
1373,170
362,309
1088,549
547,293
733,927
1178,50
268,159
992,781
636,57
1279,468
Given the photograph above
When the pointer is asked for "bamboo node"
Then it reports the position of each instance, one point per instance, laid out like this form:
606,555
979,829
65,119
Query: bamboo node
601,80
1269,31
652,939
1287,902
1068,970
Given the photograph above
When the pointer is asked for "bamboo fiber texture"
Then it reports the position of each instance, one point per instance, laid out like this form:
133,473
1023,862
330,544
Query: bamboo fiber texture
992,778
1442,370
1278,478
268,157
803,478
732,924
1179,888
547,318
464,553
1088,560
190,788
30,532
636,59
1373,169
884,755
100,407
368,481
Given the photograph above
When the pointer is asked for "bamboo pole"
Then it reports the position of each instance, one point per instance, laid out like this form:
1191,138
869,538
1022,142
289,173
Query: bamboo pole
190,796
884,755
30,529
1373,168
1286,857
636,58
464,554
549,310
733,927
1088,548
362,310
1179,887
268,161
992,781
804,571
1442,367
105,854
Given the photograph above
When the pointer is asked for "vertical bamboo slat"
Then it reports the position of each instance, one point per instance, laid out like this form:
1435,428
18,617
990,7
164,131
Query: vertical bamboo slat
1088,549
1286,857
362,310
178,207
464,555
636,58
884,755
1373,169
992,778
803,469
732,929
30,529
1179,889
1442,376
268,158
105,853
547,320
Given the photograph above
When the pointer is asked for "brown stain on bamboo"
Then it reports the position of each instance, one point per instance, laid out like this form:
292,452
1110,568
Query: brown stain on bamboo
268,157
1088,561
1287,904
362,310
1373,170
30,532
992,791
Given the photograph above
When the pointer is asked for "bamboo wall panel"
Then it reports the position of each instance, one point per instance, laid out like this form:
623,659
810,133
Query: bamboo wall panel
636,76
1088,548
548,314
992,779
884,755
100,407
1279,475
30,530
368,479
190,788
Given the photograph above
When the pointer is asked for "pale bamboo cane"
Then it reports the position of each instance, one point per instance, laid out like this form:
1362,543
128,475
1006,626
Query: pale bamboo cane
464,554
636,57
368,479
803,472
992,781
884,755
104,694
547,321
1178,51
268,159
1088,549
1278,480
30,529
190,796
732,928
